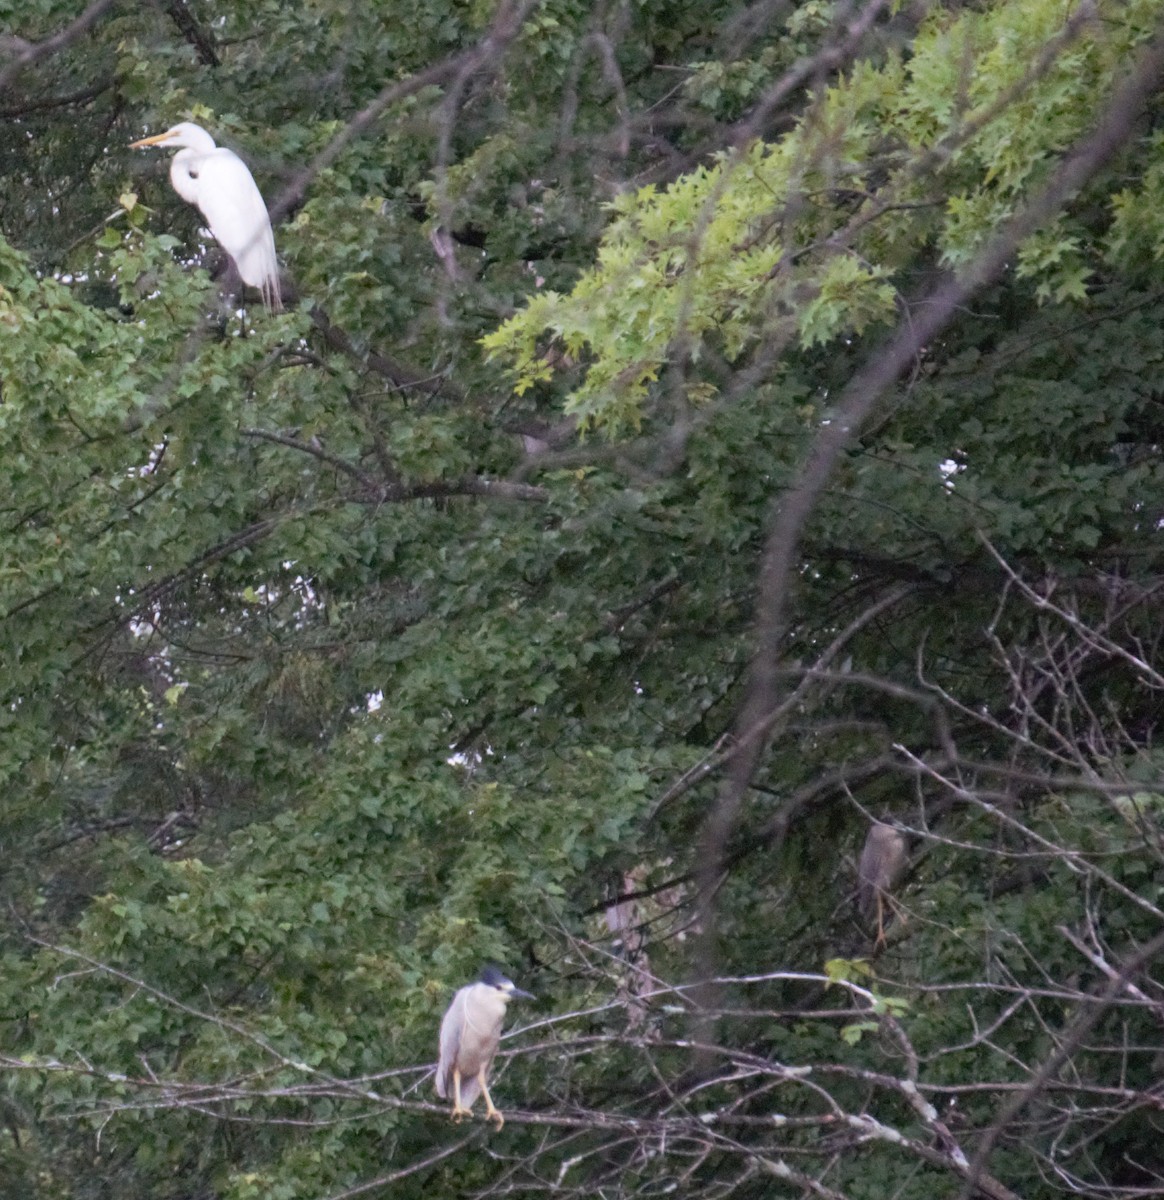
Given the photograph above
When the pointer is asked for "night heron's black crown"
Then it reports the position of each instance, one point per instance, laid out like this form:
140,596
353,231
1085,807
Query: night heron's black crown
493,976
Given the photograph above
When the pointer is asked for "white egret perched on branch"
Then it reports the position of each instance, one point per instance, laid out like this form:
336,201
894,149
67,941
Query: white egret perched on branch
219,184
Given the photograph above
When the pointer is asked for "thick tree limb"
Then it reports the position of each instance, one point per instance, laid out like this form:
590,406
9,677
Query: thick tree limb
201,39
396,372
83,96
34,52
315,450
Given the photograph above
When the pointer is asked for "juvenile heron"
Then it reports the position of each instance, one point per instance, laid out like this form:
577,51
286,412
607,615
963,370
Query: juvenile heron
882,862
470,1032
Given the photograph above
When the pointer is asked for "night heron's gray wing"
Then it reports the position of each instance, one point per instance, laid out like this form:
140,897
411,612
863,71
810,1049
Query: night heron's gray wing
451,1026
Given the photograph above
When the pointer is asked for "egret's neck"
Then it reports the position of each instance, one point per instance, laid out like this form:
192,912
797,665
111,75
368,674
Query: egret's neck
184,174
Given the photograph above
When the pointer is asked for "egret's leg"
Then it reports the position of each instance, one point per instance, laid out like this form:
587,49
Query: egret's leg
459,1110
491,1113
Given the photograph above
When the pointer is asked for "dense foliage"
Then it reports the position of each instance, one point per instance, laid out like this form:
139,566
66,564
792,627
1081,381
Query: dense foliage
349,647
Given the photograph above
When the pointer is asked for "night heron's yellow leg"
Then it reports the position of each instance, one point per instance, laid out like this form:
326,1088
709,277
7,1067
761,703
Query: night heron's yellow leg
895,909
880,940
459,1110
491,1113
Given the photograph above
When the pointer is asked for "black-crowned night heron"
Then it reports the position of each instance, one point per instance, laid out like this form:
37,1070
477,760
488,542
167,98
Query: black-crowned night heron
470,1033
882,862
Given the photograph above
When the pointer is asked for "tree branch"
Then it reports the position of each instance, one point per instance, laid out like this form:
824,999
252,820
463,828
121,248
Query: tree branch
201,39
927,318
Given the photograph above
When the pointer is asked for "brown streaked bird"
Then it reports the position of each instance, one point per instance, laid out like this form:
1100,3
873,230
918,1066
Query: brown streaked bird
883,860
470,1033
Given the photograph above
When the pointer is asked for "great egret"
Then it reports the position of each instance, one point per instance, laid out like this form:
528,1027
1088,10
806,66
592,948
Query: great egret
219,184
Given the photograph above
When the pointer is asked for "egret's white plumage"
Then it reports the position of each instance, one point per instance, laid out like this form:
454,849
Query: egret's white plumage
219,184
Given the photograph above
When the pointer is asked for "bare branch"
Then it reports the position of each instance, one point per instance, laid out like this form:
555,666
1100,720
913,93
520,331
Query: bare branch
927,319
36,52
